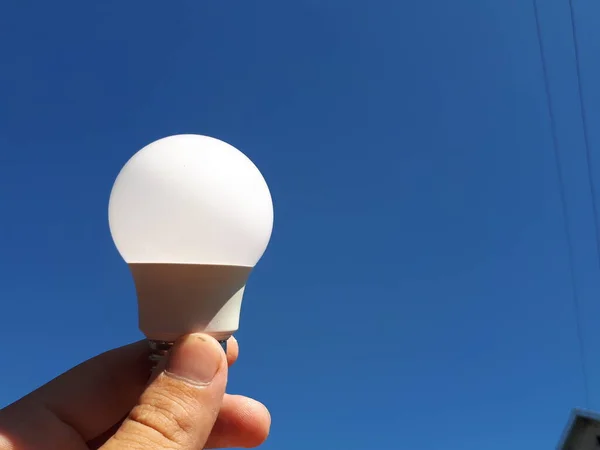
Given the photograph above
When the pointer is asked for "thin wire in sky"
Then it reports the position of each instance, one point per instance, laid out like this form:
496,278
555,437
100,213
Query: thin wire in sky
586,135
563,201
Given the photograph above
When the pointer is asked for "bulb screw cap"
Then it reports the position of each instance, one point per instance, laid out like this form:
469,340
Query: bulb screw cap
159,349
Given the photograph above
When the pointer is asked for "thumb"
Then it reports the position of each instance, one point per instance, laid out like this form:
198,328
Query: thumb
180,406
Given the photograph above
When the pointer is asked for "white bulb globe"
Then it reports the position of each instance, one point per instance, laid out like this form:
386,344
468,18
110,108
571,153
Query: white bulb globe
191,215
190,199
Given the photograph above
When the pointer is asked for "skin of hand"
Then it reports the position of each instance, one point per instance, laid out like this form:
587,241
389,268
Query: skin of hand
108,403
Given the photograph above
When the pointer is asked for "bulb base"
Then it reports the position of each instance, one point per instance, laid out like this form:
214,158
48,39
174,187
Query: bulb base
159,349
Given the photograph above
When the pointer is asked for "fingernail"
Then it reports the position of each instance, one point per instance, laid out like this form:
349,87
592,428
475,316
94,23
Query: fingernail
196,358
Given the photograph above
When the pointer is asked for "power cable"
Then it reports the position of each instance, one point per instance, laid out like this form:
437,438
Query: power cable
586,135
563,200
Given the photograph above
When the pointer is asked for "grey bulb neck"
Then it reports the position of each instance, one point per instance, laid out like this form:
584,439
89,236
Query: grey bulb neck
159,349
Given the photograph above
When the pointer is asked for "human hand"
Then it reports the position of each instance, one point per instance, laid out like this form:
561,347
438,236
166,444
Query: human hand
183,407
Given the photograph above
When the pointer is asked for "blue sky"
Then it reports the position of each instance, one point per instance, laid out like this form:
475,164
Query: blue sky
418,272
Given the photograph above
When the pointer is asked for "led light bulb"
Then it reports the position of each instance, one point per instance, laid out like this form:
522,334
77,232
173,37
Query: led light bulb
191,216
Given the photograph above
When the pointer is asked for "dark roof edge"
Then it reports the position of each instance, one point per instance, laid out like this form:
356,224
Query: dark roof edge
577,418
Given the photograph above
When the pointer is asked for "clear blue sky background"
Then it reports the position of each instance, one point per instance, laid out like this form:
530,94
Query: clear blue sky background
418,273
